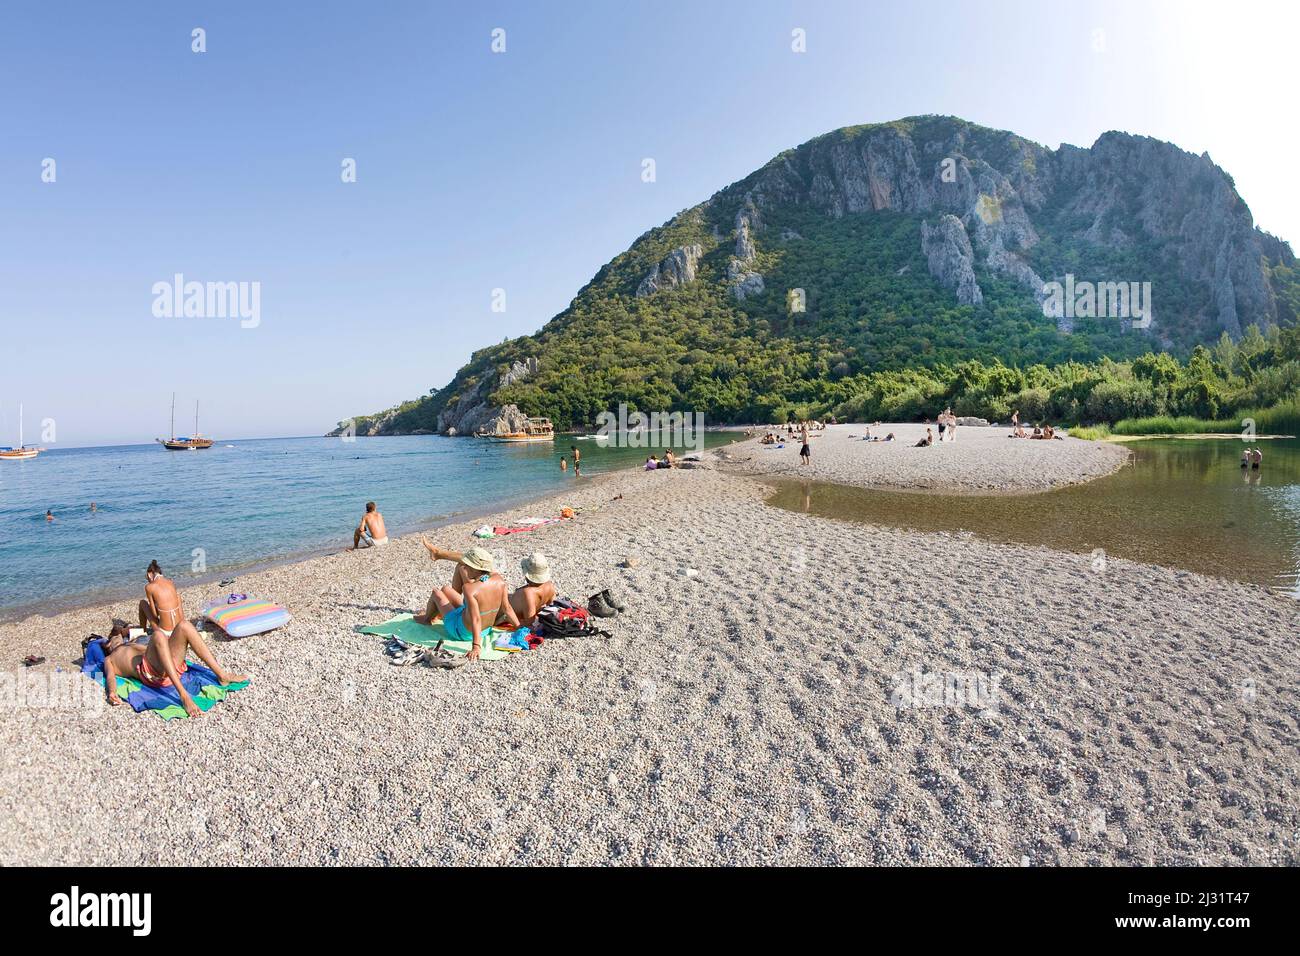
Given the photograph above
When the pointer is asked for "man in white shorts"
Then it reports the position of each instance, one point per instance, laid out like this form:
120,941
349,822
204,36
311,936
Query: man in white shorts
371,532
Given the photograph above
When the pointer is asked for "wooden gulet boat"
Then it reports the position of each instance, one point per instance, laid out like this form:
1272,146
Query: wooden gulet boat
193,443
536,429
22,452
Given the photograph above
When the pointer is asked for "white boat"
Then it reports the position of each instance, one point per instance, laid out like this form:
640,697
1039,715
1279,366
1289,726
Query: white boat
22,452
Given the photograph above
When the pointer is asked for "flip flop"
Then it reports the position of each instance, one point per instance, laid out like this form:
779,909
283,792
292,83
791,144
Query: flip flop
613,600
31,660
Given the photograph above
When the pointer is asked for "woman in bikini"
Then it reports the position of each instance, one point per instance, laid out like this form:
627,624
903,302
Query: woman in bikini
163,662
161,609
474,601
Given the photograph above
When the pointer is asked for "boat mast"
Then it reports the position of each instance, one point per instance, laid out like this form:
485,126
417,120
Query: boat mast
196,418
20,427
173,416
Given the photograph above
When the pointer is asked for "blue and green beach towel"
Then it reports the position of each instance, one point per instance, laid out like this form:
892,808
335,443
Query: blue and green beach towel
199,681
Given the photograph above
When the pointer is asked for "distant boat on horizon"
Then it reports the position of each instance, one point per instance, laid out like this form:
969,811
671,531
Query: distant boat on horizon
194,442
22,452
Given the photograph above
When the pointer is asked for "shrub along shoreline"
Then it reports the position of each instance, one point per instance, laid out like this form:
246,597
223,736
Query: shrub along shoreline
1217,390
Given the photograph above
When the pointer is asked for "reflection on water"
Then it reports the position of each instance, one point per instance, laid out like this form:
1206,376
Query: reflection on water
1184,504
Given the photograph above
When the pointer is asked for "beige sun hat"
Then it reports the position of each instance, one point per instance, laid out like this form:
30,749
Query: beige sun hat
536,568
480,559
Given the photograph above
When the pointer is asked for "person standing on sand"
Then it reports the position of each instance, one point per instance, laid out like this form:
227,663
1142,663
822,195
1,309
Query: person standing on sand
371,532
805,453
162,662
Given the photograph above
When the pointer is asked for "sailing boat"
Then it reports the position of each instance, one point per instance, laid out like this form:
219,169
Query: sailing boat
185,444
22,452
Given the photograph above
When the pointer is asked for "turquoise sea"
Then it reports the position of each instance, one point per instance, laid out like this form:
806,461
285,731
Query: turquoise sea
251,502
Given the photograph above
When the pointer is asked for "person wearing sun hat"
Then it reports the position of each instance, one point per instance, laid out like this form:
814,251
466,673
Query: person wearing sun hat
538,590
473,603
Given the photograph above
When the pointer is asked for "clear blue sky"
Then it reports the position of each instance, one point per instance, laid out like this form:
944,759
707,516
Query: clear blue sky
479,171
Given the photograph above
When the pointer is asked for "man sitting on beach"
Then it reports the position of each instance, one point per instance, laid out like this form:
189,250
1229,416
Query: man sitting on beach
371,532
537,591
473,602
161,662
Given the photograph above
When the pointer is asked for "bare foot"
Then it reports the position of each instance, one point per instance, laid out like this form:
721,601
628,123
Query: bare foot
228,678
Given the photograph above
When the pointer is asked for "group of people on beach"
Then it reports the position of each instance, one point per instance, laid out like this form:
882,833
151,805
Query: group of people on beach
577,461
1042,432
947,423
669,460
793,430
160,661
477,597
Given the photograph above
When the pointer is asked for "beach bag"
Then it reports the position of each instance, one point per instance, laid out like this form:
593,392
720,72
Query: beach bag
561,619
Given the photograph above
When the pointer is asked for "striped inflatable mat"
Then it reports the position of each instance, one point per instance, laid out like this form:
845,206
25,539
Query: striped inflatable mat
246,617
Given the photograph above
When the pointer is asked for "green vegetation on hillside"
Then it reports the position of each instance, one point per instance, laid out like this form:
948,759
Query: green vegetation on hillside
871,307
1155,393
879,338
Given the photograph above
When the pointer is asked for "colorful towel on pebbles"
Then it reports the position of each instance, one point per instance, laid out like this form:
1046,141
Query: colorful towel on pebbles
201,683
405,629
244,616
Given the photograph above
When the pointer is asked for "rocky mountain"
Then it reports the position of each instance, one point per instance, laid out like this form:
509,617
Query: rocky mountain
911,243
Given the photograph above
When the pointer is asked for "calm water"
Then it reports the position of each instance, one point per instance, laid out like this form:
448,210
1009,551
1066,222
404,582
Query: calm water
1184,504
247,502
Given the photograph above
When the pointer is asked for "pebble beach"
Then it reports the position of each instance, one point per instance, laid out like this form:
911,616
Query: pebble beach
782,688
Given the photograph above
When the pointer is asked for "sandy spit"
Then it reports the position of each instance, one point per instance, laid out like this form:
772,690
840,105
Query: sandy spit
777,707
980,461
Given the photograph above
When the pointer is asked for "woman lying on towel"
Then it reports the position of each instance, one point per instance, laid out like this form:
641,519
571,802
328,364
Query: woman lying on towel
160,663
473,602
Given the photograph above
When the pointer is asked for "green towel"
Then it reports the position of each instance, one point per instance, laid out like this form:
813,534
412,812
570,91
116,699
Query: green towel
405,629
206,699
